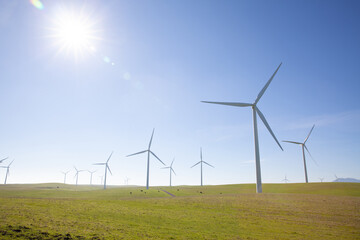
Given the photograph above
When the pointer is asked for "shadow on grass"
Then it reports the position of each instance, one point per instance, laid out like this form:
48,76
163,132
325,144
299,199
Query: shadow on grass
23,232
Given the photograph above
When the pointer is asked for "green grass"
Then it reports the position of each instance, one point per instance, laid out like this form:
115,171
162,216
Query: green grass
283,211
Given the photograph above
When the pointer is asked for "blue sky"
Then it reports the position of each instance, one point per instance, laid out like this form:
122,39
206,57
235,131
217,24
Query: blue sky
154,62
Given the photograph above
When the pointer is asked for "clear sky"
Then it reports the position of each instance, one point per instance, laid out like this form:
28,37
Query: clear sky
79,79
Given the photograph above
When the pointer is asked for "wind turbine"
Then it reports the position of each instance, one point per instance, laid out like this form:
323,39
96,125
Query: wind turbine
65,173
126,180
321,179
256,111
77,174
101,179
303,146
3,159
285,180
91,173
201,165
170,169
106,168
7,170
148,158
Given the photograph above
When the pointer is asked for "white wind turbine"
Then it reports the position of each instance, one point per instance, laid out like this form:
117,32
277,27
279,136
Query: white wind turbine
91,173
321,179
77,174
201,166
7,170
148,158
3,159
101,179
106,168
65,173
170,169
256,112
285,180
126,180
303,146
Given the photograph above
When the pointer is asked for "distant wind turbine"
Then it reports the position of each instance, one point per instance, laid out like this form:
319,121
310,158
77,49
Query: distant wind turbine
126,180
7,170
101,179
285,180
256,111
303,146
321,179
148,158
77,174
3,159
106,168
65,173
201,166
91,173
170,169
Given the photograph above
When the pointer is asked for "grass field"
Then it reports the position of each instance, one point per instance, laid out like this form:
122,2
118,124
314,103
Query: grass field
283,211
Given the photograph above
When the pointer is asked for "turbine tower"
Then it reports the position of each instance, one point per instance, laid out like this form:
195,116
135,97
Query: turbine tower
170,169
3,159
303,146
256,111
7,170
65,173
148,158
77,174
201,166
91,173
106,168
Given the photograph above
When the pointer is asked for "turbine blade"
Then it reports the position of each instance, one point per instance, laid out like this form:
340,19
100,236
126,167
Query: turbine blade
172,162
234,104
3,159
196,164
136,153
151,138
208,164
267,125
110,156
310,155
201,154
109,169
165,167
309,134
11,163
173,171
75,168
293,142
97,164
157,157
266,86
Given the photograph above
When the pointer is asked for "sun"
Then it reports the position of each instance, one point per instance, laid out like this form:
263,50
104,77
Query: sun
74,33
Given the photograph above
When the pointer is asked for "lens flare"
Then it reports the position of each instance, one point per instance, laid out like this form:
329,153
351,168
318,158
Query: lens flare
37,4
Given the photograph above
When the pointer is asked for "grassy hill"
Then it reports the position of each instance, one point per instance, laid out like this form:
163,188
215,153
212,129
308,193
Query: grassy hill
283,211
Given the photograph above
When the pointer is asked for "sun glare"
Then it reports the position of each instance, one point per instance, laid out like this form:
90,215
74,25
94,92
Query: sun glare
74,33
